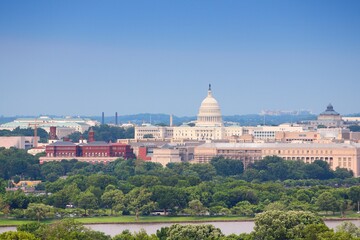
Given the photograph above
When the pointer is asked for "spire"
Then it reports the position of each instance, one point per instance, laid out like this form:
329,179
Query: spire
209,87
209,91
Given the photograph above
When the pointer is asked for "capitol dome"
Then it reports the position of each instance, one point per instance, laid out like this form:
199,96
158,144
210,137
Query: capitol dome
209,112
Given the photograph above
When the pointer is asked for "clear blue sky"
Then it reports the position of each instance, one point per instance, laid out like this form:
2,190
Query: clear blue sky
74,57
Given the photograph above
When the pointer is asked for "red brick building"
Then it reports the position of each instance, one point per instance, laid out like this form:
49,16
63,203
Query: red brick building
96,151
143,153
121,150
62,149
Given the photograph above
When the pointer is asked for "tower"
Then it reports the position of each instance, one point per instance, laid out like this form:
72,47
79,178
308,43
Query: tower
91,135
52,135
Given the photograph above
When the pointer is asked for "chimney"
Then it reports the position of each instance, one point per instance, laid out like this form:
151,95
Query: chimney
116,118
171,120
102,118
52,135
91,135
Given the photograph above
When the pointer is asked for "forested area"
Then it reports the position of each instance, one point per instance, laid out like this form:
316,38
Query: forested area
105,133
136,187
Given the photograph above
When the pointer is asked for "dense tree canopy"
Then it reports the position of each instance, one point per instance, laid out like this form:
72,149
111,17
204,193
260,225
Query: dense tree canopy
137,187
105,133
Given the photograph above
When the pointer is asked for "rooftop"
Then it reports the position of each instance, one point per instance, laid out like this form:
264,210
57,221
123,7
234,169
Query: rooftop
279,145
330,111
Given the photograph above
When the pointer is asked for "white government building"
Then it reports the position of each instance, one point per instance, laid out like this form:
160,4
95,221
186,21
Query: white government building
209,126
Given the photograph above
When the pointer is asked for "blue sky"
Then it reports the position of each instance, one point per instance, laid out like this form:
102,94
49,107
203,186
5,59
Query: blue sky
86,57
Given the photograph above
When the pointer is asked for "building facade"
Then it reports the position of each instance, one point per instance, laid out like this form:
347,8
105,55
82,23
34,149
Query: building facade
94,151
343,155
22,142
64,126
209,125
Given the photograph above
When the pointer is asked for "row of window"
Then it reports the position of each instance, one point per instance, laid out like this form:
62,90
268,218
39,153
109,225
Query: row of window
298,151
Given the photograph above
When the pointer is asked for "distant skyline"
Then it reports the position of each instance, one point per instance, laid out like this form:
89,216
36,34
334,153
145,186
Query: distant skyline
87,57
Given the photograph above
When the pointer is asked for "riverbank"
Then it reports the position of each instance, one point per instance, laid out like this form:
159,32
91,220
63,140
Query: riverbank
4,222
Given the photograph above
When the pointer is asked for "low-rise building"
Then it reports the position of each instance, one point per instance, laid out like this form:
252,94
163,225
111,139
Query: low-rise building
88,151
22,142
64,126
343,155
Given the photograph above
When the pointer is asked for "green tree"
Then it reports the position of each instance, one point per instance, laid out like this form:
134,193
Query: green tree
141,235
113,199
139,200
244,208
68,229
205,171
17,199
193,232
169,197
354,195
38,211
227,167
11,235
273,225
101,180
331,235
196,208
326,202
87,200
30,227
350,228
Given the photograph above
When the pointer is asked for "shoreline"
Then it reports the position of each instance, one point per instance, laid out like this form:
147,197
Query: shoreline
179,222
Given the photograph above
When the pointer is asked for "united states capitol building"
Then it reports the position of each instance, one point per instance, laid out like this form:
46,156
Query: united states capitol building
209,125
209,137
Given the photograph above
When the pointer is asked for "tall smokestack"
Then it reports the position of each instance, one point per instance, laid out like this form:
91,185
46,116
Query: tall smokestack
102,119
116,118
171,120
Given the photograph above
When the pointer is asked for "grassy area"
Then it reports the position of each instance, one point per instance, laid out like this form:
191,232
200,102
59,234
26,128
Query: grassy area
131,219
16,222
348,214
159,219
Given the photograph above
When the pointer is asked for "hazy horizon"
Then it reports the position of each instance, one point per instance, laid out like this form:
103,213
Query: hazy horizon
87,57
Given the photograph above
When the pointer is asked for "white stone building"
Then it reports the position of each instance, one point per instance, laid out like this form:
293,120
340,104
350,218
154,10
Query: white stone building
209,126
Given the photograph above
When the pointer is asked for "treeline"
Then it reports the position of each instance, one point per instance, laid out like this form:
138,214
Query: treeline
105,133
221,187
26,132
290,225
16,162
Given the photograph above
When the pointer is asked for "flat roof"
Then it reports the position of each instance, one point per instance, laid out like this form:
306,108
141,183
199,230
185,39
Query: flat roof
279,145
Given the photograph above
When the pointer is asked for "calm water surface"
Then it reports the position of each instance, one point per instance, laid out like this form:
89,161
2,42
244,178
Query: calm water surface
226,227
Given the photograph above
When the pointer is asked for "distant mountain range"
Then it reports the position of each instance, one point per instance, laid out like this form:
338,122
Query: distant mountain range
248,120
244,120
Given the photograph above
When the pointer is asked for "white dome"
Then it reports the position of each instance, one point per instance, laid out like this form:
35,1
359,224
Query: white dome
209,112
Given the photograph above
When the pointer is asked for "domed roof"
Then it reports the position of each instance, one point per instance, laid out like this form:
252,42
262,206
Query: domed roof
330,111
209,112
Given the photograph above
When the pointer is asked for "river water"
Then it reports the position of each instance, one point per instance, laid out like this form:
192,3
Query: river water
226,227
